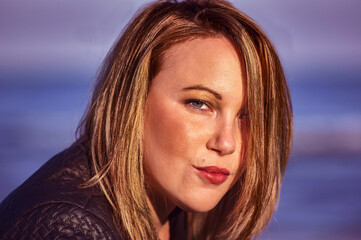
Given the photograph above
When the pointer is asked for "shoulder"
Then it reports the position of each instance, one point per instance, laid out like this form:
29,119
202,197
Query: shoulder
52,203
59,221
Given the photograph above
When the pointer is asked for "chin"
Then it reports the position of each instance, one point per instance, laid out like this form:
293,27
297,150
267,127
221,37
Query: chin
201,204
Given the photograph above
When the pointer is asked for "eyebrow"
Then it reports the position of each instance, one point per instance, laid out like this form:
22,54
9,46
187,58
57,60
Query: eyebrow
203,88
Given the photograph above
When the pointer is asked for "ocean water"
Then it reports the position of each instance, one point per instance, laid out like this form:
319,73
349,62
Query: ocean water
321,194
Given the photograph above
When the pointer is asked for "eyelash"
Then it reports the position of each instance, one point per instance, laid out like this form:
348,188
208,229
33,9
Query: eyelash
244,116
192,102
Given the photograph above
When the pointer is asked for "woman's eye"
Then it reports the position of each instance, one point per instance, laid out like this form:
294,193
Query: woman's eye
196,103
244,116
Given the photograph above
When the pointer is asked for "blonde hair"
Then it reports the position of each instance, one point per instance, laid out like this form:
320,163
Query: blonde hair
113,124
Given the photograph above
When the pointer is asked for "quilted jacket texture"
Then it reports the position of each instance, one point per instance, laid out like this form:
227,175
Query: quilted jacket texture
50,204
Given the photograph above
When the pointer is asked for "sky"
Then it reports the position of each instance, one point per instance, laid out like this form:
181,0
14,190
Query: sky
77,34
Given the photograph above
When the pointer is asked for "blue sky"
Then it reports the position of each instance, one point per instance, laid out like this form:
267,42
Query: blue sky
77,34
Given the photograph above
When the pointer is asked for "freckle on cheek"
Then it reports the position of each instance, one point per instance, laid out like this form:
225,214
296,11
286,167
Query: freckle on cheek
176,137
170,132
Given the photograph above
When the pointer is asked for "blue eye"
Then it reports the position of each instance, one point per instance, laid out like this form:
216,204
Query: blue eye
244,116
197,103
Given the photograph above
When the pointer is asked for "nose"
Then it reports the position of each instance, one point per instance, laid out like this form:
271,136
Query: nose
223,140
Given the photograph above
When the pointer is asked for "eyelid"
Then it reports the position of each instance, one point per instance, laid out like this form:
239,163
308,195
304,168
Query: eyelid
244,115
207,104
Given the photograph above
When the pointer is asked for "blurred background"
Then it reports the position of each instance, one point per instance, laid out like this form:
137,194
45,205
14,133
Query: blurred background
50,52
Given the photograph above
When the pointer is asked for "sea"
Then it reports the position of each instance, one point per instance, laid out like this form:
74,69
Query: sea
321,192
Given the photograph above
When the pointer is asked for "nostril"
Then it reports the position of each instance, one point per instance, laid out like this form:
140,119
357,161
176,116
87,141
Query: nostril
227,146
223,144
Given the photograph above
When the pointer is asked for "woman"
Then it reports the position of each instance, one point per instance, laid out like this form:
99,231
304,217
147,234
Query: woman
187,136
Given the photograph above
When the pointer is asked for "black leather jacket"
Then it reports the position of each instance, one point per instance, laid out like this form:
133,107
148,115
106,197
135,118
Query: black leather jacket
50,204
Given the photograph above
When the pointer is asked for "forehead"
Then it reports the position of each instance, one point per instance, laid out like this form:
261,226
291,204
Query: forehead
212,62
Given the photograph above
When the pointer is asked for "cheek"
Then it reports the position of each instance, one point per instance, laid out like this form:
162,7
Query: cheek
170,130
164,132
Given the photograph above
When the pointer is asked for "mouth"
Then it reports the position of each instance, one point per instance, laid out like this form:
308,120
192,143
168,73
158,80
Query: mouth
213,174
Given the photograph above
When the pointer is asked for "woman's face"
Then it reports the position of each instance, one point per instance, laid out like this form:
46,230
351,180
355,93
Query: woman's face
195,123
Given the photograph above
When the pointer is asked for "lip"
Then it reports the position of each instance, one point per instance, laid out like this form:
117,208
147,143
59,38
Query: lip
214,174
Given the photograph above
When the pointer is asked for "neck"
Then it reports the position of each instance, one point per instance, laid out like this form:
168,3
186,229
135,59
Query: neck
160,209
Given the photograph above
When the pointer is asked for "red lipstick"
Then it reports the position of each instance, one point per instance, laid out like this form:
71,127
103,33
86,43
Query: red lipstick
213,174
